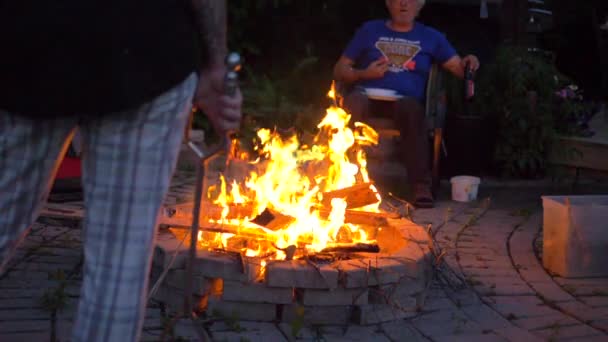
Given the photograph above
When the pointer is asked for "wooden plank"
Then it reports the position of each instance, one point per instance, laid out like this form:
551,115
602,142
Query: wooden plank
209,211
579,152
352,248
356,196
59,211
363,217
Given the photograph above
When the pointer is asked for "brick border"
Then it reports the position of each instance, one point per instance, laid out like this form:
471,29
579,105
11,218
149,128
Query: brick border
368,289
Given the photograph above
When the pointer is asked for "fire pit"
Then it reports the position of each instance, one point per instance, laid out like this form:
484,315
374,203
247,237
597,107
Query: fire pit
360,287
297,235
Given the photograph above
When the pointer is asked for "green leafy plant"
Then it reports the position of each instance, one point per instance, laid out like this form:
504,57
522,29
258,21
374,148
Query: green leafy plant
572,113
298,322
519,87
287,58
233,323
55,299
273,99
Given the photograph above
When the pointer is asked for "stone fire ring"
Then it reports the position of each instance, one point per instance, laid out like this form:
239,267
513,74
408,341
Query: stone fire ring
366,289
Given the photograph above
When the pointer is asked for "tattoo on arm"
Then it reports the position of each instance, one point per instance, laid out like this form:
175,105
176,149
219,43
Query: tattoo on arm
212,22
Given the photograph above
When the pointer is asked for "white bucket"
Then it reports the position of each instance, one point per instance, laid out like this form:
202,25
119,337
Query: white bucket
464,188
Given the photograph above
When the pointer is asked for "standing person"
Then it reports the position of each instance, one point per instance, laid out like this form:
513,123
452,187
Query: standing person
126,74
397,54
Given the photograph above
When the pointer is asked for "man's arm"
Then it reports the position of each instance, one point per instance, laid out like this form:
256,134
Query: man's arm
344,71
212,25
456,65
223,111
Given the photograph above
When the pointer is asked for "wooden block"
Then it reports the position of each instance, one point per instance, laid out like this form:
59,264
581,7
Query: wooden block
356,196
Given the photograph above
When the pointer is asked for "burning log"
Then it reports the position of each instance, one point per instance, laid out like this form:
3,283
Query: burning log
209,211
289,251
352,248
240,243
251,232
214,212
362,217
245,232
356,196
263,218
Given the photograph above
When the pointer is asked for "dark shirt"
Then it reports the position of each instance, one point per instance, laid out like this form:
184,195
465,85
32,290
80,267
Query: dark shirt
90,57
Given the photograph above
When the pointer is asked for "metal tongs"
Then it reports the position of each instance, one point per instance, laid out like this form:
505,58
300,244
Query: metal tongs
233,65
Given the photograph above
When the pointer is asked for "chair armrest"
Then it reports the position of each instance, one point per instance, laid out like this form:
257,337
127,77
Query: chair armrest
435,107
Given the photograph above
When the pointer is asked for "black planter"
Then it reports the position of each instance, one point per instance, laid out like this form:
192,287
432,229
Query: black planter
470,142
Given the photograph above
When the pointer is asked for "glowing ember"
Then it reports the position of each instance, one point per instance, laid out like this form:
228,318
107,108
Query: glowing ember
291,179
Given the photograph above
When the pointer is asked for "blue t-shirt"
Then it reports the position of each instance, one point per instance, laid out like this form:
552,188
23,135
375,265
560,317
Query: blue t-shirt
410,55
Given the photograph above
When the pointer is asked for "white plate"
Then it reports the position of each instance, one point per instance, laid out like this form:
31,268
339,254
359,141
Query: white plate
393,97
380,92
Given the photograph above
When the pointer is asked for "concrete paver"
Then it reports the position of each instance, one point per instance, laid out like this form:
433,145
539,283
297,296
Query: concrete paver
579,331
545,322
250,331
402,331
483,337
495,272
595,301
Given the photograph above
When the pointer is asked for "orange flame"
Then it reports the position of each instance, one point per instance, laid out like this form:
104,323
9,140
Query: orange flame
291,177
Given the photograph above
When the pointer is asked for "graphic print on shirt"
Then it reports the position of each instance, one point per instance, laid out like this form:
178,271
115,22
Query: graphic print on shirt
399,52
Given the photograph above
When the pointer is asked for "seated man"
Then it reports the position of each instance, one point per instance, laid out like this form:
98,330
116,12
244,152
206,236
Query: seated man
397,54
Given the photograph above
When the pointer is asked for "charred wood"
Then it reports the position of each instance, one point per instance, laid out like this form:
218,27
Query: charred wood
352,248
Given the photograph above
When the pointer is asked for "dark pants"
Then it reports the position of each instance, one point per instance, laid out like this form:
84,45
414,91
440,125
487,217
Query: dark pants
409,118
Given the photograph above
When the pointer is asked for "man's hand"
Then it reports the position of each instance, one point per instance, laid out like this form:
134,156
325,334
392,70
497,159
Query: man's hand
376,69
344,71
456,65
223,111
472,61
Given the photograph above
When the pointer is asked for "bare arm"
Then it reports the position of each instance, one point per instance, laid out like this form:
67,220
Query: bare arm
212,23
456,65
344,71
223,111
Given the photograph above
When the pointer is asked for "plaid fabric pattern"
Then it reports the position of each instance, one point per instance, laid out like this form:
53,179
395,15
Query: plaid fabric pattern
128,160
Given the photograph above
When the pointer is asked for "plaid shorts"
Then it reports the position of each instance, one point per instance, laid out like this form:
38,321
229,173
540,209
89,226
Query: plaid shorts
128,159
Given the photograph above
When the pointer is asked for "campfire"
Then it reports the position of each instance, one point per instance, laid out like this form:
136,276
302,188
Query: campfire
294,231
298,199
